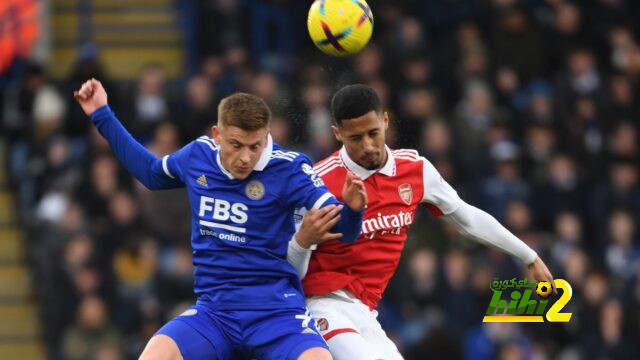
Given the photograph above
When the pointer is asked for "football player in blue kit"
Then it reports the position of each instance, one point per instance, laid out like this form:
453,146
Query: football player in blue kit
243,189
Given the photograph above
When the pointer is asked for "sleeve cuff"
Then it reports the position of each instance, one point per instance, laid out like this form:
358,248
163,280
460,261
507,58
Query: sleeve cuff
352,213
531,257
100,112
300,249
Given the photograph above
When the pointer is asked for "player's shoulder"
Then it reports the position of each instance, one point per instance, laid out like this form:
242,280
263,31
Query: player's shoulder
197,150
409,155
282,155
329,164
282,158
287,161
205,143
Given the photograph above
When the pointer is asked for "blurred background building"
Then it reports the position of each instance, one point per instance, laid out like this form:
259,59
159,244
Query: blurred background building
528,108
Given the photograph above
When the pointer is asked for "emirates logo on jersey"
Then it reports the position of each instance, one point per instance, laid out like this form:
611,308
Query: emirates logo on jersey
386,224
406,193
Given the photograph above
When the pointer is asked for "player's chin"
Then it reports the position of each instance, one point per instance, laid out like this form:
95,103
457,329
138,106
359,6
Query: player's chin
241,175
372,165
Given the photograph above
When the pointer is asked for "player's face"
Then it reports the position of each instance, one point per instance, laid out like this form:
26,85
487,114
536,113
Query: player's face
364,137
240,150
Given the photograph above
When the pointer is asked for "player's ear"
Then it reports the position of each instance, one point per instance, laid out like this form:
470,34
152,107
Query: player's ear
386,120
215,131
336,132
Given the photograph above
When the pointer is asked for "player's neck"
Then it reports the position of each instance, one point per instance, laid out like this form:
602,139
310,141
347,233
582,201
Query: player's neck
385,158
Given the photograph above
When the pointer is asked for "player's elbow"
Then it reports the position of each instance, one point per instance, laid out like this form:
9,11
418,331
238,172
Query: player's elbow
150,184
461,221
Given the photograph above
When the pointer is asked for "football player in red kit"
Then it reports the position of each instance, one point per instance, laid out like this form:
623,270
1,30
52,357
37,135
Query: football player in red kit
344,282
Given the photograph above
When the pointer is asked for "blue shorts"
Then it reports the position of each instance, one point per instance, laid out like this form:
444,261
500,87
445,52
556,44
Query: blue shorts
203,333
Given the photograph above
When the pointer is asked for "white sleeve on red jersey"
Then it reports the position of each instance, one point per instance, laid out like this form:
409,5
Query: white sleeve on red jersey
484,228
438,192
469,220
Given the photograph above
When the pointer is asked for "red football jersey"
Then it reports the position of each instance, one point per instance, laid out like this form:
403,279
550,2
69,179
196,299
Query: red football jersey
394,192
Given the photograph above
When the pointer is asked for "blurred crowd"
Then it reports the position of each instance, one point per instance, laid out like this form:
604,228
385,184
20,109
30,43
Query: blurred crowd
529,108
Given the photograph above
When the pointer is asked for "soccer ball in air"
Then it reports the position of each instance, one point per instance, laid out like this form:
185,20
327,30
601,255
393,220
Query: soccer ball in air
544,289
340,27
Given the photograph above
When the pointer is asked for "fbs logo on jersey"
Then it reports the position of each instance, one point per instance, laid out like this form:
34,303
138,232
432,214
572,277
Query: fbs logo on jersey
223,211
406,193
202,180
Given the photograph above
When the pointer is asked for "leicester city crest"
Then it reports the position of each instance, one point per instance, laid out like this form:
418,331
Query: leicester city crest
254,190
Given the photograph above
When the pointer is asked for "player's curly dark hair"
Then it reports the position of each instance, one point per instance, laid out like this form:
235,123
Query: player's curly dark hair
353,101
246,111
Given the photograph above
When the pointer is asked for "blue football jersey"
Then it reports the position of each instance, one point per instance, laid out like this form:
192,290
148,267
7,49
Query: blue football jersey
241,228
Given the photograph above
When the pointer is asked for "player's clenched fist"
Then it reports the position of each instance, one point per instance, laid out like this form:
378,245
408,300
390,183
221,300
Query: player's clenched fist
91,96
354,193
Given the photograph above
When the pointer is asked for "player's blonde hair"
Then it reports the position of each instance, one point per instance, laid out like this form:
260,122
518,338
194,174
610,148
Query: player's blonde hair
246,111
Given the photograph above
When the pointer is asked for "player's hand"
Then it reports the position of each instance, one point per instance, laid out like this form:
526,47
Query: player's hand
540,272
91,96
354,192
316,225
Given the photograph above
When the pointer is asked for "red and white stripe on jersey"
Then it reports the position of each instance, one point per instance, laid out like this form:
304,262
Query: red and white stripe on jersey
406,154
327,165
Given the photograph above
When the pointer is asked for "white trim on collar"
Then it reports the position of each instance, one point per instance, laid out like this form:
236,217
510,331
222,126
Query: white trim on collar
389,168
265,156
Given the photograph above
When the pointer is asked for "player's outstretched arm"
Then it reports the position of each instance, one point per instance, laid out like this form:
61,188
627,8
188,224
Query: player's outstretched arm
141,163
475,223
484,228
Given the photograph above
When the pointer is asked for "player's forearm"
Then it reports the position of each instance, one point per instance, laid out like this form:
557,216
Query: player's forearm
484,228
298,257
350,224
136,158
